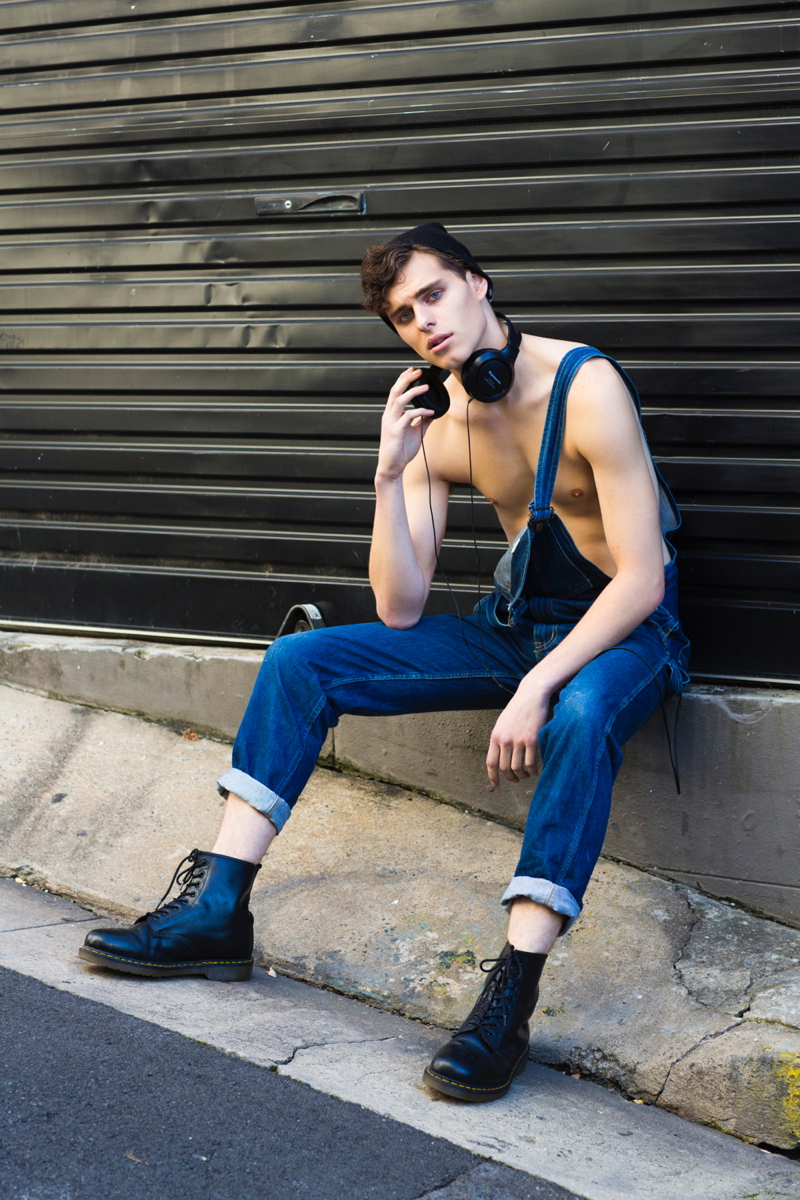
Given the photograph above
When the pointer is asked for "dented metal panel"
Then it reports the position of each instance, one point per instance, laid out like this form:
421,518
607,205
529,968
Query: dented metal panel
189,393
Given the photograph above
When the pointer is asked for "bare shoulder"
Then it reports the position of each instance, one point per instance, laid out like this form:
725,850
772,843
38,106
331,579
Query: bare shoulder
598,388
597,384
546,353
602,421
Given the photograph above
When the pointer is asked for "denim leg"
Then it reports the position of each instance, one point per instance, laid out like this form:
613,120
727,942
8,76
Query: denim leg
309,680
581,749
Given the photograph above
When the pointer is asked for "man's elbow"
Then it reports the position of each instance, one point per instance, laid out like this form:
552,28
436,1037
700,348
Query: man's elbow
401,622
656,592
398,618
646,590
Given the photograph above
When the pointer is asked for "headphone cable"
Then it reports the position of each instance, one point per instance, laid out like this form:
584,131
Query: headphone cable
439,566
483,661
511,691
672,742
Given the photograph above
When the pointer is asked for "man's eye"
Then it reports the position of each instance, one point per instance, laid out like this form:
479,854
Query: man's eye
435,295
403,317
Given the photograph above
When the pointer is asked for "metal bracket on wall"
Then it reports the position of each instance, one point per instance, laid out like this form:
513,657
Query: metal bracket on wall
311,204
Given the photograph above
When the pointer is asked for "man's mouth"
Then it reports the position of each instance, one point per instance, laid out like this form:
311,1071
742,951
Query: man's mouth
438,342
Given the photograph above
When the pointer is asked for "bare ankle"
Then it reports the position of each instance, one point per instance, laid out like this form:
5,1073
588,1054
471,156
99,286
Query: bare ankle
245,833
533,927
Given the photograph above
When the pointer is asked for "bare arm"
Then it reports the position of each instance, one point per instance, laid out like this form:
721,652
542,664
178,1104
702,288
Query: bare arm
403,553
607,434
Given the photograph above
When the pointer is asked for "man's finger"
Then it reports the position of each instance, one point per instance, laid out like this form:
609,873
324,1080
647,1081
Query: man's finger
506,760
519,760
410,417
491,764
397,403
419,390
401,383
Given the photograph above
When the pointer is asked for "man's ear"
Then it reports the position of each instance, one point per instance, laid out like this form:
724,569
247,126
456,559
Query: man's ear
479,283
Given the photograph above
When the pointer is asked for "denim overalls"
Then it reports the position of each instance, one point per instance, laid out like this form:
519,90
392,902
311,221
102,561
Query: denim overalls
544,561
446,663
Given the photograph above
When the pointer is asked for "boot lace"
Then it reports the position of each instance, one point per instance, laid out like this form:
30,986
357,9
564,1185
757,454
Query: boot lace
187,880
497,999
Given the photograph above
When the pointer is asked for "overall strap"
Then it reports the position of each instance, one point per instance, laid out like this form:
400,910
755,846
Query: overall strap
550,452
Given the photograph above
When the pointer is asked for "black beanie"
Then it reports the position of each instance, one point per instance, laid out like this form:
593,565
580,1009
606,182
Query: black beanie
435,236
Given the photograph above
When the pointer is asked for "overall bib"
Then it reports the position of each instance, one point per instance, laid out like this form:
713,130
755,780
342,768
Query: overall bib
544,586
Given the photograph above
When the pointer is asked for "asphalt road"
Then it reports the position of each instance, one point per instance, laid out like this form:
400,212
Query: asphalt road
99,1105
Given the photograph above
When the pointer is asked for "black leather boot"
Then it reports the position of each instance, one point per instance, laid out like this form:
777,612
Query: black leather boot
491,1047
206,930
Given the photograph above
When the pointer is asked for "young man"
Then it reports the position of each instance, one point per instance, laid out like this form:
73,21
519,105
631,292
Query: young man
583,617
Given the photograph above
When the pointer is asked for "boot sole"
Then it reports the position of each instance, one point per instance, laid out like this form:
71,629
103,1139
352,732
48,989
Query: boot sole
232,971
473,1095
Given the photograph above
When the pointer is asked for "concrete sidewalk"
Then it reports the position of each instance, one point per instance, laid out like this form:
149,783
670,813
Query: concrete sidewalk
672,998
571,1133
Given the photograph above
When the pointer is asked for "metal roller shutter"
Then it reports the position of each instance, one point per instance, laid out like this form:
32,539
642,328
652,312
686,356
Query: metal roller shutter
189,392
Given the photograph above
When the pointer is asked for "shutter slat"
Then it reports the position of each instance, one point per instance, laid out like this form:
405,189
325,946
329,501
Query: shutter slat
190,394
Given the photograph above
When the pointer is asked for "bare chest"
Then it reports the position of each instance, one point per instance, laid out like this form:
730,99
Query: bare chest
504,465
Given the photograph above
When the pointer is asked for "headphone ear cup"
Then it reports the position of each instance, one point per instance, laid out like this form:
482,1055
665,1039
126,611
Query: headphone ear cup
487,376
437,396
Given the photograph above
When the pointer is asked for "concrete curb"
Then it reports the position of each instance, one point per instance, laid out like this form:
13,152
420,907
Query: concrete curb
732,833
670,996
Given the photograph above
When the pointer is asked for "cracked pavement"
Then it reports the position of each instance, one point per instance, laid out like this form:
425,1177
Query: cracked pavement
740,964
384,895
550,1133
680,1000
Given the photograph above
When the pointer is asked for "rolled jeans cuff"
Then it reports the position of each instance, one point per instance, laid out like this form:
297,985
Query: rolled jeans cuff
546,893
256,794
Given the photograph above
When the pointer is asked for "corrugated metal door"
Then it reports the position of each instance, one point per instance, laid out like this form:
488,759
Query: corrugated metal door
190,394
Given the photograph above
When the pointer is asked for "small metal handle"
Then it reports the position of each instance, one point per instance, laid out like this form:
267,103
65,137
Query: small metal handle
309,204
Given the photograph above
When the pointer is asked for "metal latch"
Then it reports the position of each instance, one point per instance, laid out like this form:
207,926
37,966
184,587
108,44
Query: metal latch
310,204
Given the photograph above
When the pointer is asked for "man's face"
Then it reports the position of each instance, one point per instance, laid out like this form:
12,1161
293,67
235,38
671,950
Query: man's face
438,314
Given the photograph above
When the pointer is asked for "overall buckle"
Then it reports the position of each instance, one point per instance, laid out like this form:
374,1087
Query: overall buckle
539,518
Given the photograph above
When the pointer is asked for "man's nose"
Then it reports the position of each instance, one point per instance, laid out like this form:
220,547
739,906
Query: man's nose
425,319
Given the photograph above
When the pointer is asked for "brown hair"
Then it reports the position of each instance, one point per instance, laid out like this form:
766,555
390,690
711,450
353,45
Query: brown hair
382,265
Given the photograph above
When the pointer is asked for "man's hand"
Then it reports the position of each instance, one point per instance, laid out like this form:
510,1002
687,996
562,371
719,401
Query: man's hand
402,429
512,747
404,546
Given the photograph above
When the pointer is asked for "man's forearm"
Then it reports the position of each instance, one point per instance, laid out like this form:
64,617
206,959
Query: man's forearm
622,605
395,574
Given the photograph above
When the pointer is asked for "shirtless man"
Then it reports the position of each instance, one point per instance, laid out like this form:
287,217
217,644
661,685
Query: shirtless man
578,643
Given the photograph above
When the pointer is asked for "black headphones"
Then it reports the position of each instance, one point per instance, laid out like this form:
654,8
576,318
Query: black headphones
487,375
